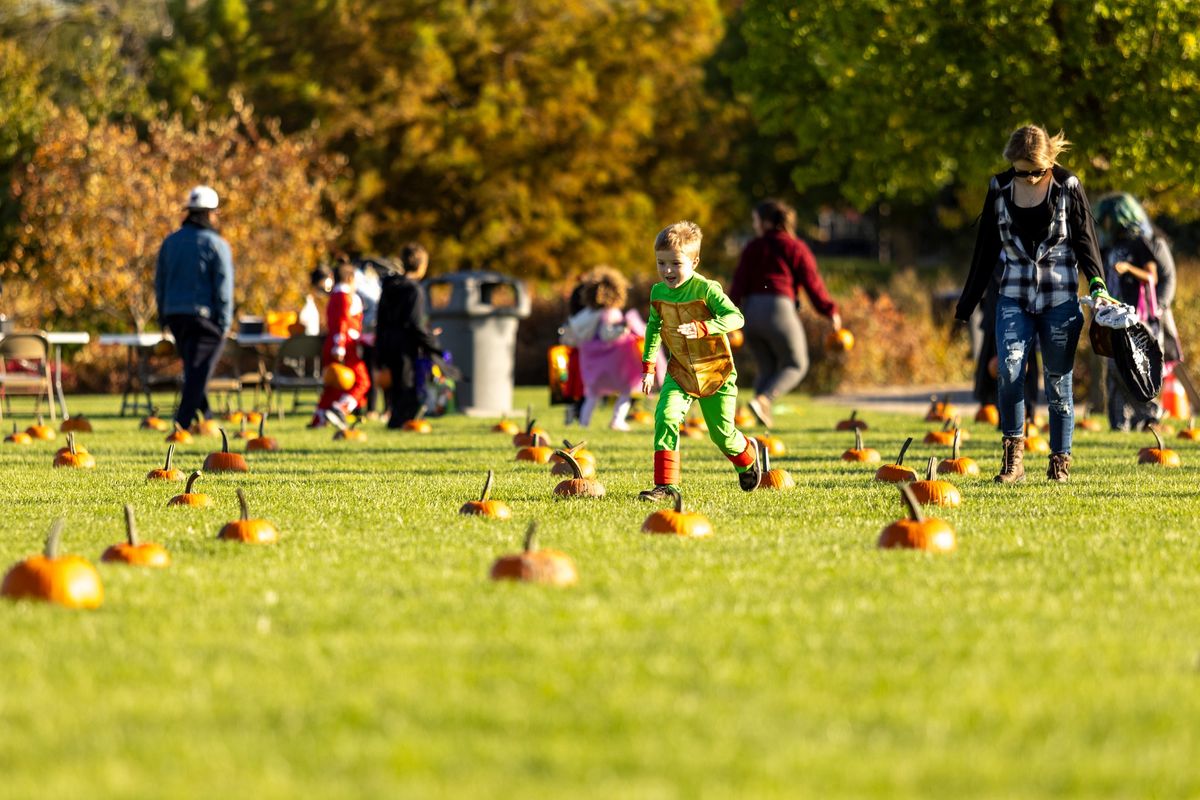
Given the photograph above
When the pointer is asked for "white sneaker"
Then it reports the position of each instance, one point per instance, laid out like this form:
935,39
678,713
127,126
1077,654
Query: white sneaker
619,425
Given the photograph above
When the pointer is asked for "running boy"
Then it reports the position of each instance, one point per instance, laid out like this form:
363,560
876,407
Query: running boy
691,315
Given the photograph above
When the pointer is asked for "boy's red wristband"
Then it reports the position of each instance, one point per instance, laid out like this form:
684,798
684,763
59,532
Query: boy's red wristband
647,367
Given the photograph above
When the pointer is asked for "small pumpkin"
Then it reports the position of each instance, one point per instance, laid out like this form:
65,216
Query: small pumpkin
262,443
485,507
839,340
190,498
940,410
254,417
641,416
135,552
587,461
418,424
1158,455
243,431
1087,422
245,529
943,437
932,491
897,473
205,427
771,444
696,421
777,479
225,461
535,566
74,457
743,418
338,376
858,453
851,423
352,433
167,473
536,455
80,424
506,425
677,522
692,432
533,436
153,422
179,435
232,416
68,581
1037,444
18,437
736,339
917,532
988,414
1190,433
40,430
577,485
956,464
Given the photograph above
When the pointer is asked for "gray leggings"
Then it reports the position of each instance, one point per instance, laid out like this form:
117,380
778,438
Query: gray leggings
776,337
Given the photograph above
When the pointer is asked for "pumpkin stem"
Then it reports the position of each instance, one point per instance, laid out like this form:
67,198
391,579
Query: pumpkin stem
187,489
130,529
853,414
487,486
570,459
931,469
1157,438
178,427
242,503
224,441
954,447
530,532
170,455
574,448
52,538
41,421
420,411
766,459
71,443
243,428
946,425
675,493
528,417
903,449
910,499
14,428
262,422
529,427
858,439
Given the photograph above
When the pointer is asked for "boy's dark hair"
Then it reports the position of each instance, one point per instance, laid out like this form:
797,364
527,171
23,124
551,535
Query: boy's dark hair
319,275
413,256
776,215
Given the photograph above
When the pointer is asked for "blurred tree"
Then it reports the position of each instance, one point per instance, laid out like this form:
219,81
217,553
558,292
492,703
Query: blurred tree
97,200
535,137
899,99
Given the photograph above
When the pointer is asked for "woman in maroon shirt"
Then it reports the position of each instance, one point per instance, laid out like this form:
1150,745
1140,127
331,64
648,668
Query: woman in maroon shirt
771,269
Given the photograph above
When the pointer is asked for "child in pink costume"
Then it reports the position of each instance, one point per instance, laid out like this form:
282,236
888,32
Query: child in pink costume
607,338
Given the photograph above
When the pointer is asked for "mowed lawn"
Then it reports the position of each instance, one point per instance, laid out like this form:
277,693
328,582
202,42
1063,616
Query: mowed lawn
1055,654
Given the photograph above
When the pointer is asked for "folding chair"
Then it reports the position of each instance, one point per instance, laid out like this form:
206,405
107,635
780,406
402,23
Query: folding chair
29,354
297,367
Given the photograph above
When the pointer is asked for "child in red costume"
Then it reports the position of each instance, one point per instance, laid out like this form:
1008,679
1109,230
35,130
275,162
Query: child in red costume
344,321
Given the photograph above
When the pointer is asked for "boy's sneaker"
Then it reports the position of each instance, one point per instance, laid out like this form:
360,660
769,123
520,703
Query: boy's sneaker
760,407
751,478
656,495
336,417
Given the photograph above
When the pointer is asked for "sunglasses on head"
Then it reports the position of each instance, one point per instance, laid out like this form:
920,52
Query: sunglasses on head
1030,173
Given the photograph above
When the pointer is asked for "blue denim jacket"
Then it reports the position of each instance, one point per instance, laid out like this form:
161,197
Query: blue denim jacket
194,275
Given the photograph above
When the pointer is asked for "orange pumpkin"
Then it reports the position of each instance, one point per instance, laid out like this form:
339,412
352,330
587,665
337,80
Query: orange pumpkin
940,410
736,339
80,424
153,422
944,437
917,532
988,414
777,479
677,522
585,458
179,435
18,437
839,340
771,444
1088,423
40,430
956,464
506,425
536,455
743,418
68,581
577,485
225,461
1190,433
418,424
533,435
936,492
338,376
247,530
167,473
243,431
254,417
852,423
350,434
190,498
74,457
641,416
897,473
858,453
535,566
692,432
134,552
232,416
262,443
1158,455
485,507
1036,444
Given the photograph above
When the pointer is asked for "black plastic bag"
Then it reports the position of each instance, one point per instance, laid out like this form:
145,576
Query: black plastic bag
1138,361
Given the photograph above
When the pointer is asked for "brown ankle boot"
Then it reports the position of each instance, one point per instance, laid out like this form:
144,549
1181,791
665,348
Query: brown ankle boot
1060,467
1012,468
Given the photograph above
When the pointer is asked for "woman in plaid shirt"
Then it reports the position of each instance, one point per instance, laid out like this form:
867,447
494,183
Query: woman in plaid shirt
1036,234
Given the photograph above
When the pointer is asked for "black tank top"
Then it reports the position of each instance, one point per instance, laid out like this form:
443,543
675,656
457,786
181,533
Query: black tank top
1031,225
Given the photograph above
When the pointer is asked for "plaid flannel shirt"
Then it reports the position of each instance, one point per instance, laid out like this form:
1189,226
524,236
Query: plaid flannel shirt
1050,277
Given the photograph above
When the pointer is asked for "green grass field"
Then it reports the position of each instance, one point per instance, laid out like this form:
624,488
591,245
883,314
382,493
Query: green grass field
368,655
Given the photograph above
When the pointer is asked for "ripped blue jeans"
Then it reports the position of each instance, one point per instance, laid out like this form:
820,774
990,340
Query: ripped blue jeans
1057,332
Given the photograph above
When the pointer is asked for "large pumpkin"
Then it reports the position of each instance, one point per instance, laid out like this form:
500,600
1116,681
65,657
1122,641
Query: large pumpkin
917,532
535,566
68,581
897,473
677,522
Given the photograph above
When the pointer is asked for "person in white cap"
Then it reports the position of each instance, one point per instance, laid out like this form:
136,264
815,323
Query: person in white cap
193,284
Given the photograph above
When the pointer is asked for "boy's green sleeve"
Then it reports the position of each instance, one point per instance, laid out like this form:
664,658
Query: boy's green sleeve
726,316
653,337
